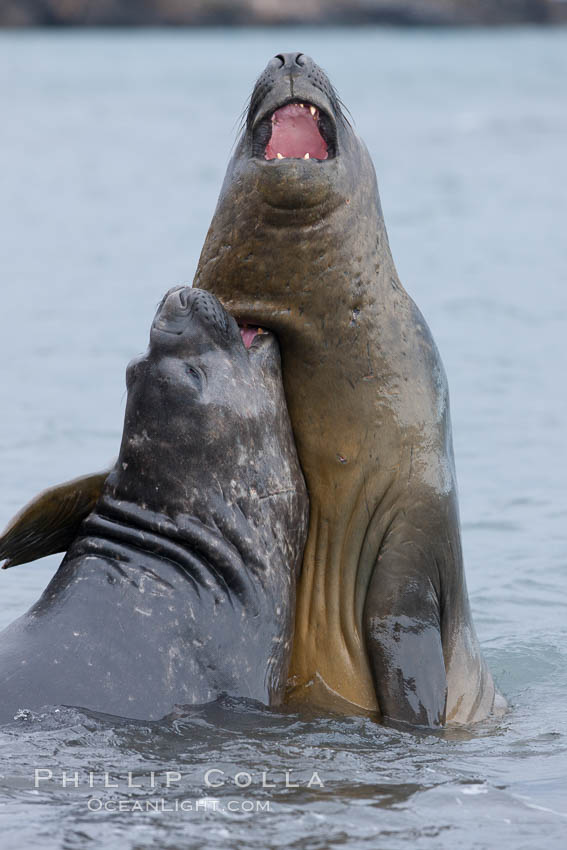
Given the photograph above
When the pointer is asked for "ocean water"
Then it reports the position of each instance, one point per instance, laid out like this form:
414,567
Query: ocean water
113,147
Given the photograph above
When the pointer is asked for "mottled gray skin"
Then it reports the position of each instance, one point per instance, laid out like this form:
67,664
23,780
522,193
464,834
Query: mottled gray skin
181,583
383,621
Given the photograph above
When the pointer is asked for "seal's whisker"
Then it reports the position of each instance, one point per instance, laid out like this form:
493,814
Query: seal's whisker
342,109
240,122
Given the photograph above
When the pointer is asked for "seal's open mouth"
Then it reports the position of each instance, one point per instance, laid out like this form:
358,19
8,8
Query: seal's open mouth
296,130
249,333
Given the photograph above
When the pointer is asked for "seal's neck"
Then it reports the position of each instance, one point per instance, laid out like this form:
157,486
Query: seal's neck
125,533
308,274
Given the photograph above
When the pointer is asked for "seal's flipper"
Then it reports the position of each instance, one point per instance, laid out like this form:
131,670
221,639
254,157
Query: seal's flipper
402,625
50,521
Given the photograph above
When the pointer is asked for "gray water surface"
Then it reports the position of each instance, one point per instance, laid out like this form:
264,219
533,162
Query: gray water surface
113,147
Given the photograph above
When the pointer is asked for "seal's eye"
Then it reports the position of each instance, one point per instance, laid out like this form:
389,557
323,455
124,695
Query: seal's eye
194,375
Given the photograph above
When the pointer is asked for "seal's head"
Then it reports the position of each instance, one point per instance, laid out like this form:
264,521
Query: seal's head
299,202
206,423
296,138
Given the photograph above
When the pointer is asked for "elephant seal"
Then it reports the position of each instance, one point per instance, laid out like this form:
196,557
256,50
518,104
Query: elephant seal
298,245
180,584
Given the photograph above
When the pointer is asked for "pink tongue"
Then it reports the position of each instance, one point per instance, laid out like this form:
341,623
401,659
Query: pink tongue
295,133
247,335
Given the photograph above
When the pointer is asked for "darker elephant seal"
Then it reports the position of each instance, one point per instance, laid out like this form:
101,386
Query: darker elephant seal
180,585
298,245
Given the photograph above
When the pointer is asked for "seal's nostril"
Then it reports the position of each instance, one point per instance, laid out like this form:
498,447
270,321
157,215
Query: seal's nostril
288,60
183,295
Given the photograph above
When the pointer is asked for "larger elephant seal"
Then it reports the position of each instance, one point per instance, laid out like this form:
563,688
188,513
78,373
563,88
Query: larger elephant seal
298,245
181,583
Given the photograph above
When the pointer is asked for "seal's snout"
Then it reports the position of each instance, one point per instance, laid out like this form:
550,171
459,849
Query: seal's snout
195,314
206,307
293,111
184,308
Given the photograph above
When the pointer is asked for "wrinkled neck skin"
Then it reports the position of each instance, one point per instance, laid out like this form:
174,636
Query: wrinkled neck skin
273,252
238,515
303,251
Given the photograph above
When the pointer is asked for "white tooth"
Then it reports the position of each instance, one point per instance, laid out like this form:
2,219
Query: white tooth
302,105
279,156
306,156
313,111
